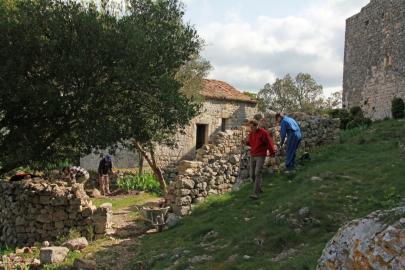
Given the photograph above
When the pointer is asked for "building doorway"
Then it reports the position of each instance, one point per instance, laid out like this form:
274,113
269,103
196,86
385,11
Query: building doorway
224,124
202,135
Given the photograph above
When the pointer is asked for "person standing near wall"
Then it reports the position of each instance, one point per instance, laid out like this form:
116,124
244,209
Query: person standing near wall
104,169
289,128
260,144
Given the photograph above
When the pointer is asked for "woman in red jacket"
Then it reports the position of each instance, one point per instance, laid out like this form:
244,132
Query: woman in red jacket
260,145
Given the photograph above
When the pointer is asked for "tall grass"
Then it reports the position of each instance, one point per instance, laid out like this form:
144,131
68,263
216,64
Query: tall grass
144,182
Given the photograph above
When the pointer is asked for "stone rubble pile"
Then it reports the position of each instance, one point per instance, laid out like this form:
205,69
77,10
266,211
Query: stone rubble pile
36,210
215,170
374,242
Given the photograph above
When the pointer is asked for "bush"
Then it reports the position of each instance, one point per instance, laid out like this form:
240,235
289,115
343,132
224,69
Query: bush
359,122
342,114
398,108
144,182
356,112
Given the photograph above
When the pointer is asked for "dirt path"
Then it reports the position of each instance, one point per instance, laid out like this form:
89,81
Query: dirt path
123,242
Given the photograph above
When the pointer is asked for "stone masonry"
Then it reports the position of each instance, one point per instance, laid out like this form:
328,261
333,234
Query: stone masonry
36,210
223,107
374,64
214,172
218,165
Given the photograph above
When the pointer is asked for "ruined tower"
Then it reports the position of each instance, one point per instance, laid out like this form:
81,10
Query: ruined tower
374,64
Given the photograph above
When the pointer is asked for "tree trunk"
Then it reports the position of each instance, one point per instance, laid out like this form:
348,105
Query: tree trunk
152,163
140,163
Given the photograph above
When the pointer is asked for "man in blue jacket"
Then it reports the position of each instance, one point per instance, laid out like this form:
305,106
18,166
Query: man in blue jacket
290,128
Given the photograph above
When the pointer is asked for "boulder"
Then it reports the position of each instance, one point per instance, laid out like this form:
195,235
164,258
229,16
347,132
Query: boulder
49,255
95,193
374,242
172,220
82,264
76,244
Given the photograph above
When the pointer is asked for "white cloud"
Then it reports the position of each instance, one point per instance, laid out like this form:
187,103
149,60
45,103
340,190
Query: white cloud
250,54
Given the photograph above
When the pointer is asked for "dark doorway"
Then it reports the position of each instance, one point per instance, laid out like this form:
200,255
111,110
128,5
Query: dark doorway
224,124
202,135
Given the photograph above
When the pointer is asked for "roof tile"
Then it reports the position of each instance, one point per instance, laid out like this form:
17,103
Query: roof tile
215,89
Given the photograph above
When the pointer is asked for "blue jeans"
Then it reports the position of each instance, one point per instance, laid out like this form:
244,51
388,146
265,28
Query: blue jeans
293,142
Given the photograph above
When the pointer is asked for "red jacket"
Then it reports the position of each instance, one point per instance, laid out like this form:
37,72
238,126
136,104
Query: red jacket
259,142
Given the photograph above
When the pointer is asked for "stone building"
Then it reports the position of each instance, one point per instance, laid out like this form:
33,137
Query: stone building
374,64
223,108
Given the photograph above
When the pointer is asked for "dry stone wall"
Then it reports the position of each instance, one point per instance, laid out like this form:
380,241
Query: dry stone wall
218,165
374,64
212,114
36,210
316,130
214,172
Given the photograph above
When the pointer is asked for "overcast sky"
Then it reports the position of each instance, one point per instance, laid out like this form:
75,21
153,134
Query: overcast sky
252,42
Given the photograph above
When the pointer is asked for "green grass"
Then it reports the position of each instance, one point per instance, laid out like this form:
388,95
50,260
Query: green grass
364,173
124,201
5,250
96,246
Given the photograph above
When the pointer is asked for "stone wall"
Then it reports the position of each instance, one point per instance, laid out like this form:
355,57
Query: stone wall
214,172
374,64
37,210
316,130
216,167
211,115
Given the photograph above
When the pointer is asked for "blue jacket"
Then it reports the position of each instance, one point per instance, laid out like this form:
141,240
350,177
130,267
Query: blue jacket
288,126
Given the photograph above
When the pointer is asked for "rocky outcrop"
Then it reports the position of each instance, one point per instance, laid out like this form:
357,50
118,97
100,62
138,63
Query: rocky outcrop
374,242
37,210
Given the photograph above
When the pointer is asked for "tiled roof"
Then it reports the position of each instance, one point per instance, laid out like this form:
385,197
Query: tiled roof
215,89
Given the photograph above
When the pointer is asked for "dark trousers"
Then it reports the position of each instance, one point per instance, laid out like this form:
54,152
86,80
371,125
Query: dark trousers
256,171
293,141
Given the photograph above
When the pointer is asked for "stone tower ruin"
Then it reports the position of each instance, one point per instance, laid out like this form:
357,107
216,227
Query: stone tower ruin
374,64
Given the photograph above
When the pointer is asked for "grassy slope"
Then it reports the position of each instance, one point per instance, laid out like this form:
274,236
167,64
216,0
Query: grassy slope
364,173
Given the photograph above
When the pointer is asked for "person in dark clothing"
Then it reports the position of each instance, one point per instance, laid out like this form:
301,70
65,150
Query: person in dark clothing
289,128
104,169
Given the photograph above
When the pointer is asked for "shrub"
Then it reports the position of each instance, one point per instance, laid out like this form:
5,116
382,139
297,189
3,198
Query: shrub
343,114
144,182
398,108
356,112
359,122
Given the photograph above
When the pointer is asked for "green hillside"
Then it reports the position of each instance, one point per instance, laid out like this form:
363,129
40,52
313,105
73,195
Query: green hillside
364,173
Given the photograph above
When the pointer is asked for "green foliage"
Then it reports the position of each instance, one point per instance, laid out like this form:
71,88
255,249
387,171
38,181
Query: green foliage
302,94
75,78
358,122
191,75
356,112
350,119
5,250
144,182
398,108
343,114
